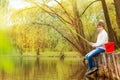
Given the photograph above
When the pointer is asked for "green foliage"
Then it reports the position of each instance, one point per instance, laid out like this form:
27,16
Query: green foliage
30,32
5,45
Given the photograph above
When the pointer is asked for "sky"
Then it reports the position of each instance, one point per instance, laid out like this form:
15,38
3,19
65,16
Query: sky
18,4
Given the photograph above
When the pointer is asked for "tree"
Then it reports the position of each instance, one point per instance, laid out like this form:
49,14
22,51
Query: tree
111,33
117,9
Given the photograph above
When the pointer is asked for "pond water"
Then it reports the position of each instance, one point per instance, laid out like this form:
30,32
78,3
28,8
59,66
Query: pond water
34,68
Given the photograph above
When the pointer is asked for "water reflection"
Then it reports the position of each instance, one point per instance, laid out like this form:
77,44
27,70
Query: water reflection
34,68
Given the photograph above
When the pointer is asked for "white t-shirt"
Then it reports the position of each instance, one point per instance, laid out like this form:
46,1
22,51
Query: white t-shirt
101,40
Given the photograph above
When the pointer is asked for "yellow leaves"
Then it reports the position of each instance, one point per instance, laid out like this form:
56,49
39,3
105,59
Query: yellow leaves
28,36
26,15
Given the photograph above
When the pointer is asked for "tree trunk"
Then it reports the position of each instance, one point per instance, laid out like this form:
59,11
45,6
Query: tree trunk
38,51
77,24
117,9
112,35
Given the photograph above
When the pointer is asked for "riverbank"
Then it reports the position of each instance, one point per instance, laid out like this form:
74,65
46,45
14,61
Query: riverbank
48,54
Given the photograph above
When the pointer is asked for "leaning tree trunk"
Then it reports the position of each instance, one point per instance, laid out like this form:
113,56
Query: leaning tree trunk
112,35
77,24
117,9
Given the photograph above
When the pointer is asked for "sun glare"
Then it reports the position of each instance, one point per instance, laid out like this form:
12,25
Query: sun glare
18,4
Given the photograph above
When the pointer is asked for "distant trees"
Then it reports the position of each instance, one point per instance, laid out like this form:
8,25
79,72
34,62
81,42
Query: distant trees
30,36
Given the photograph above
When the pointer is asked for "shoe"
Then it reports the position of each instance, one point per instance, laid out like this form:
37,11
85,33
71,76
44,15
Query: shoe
94,69
91,71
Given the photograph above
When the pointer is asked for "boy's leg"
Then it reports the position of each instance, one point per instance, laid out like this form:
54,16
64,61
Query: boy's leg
87,57
90,55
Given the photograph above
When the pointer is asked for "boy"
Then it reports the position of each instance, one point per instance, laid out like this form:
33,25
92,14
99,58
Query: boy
102,38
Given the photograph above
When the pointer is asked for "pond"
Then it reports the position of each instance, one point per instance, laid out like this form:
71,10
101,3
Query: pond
35,68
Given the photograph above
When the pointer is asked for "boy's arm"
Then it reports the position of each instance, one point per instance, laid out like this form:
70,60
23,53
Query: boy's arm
101,42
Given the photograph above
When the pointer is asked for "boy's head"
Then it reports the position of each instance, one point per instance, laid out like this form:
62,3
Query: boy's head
100,25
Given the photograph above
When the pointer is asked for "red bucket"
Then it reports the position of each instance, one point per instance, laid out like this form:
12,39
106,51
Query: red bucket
109,47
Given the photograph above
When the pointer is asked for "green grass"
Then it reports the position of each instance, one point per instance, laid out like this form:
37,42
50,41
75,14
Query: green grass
5,45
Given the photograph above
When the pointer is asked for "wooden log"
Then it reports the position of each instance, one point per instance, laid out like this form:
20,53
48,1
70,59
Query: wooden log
101,63
117,59
108,65
115,66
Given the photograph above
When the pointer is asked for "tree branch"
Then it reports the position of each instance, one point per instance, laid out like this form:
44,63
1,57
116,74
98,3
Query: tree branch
64,9
60,17
53,12
89,6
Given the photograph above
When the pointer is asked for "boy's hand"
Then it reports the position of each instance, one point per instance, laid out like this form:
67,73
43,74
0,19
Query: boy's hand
92,44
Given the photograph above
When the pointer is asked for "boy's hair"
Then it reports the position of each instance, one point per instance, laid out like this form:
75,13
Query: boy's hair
101,23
